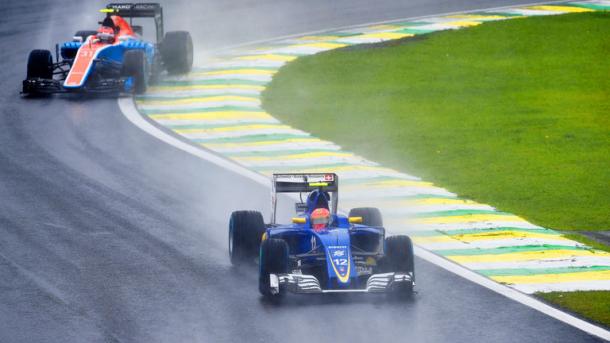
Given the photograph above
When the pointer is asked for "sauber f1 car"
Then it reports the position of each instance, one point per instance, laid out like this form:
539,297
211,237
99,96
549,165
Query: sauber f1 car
112,59
321,251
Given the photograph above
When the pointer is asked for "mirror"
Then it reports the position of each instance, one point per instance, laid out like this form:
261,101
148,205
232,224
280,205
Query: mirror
355,220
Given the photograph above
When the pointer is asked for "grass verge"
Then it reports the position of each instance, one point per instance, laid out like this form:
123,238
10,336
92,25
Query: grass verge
512,114
595,305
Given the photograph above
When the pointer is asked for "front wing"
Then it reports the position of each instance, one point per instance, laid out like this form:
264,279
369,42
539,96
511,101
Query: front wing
376,283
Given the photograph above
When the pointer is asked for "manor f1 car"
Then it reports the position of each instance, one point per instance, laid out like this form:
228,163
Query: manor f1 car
321,251
114,58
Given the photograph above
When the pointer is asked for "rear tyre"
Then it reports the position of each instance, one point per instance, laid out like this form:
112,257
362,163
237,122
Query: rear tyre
246,229
399,258
371,216
84,34
134,65
177,52
273,260
40,65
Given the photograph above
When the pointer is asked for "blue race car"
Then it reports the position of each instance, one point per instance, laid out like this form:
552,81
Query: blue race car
114,58
321,251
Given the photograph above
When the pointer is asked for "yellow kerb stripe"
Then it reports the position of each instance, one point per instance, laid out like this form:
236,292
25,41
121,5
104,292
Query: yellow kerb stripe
339,169
554,278
262,143
561,9
202,87
488,236
464,23
439,201
223,115
297,156
199,100
470,219
473,17
235,128
526,256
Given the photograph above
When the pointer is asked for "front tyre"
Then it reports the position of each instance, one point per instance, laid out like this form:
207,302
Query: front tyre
40,65
399,258
273,260
246,229
134,66
177,52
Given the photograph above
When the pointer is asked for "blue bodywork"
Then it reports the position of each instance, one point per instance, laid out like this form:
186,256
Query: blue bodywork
331,254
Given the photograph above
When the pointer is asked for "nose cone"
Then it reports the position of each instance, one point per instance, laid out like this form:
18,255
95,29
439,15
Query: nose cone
338,256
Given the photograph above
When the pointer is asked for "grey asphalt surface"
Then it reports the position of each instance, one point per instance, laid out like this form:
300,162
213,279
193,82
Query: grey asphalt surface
109,235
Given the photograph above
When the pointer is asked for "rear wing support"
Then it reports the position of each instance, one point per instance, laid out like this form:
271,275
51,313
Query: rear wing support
304,183
139,10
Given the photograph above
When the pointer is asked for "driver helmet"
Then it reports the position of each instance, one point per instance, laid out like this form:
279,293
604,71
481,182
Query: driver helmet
320,218
106,34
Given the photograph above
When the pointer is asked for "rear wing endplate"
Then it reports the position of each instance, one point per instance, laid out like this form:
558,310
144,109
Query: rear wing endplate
139,10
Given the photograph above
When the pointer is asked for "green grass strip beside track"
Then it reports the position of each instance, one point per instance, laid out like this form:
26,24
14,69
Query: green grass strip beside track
594,305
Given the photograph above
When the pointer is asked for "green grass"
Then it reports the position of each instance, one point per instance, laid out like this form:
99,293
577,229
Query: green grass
515,114
595,305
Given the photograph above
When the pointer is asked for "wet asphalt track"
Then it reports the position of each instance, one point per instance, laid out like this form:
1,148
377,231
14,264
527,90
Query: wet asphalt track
108,235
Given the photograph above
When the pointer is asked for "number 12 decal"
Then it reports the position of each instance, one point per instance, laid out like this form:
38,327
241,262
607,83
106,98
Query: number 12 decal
340,261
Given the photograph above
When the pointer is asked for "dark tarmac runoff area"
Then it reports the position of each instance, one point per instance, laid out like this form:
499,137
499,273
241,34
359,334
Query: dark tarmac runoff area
108,234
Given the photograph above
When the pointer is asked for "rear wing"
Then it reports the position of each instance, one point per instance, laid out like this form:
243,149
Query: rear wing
297,183
139,10
304,183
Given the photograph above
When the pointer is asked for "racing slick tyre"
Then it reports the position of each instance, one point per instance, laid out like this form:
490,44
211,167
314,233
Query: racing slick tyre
177,52
40,65
246,229
84,34
399,258
134,65
273,260
370,215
